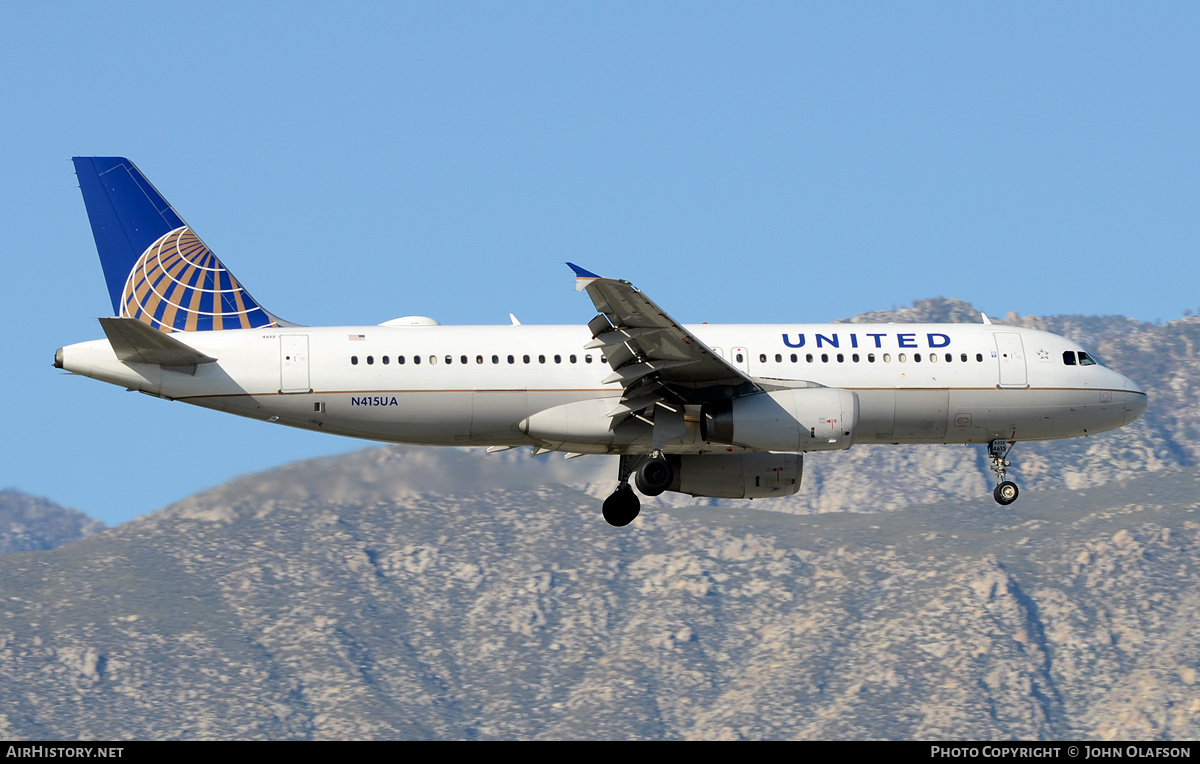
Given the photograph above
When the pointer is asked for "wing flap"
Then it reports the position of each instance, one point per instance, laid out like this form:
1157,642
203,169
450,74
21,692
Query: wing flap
643,343
612,337
661,365
632,372
634,405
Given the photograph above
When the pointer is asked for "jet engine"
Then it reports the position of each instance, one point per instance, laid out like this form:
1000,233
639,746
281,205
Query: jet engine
807,419
738,476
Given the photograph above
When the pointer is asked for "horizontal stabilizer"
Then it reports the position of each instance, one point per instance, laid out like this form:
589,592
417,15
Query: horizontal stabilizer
136,342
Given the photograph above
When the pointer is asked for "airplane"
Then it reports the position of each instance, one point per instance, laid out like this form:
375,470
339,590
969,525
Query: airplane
724,411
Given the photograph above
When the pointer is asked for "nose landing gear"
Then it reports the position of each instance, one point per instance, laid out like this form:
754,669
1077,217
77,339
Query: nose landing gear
1006,491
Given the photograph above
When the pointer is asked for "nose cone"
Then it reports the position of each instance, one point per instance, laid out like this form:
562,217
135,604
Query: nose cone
1136,401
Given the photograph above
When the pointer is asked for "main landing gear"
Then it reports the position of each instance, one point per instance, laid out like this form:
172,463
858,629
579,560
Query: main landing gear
652,474
1006,490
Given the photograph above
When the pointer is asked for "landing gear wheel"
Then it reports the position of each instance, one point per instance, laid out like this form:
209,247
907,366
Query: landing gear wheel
1006,490
654,476
1006,493
622,507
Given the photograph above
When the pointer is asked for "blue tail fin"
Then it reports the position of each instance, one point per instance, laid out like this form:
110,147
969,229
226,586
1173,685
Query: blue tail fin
158,271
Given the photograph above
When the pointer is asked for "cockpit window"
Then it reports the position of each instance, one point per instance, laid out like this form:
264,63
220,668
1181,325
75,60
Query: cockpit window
1086,360
1069,357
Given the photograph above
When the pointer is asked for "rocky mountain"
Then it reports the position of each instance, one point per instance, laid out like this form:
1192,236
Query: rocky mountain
322,600
28,523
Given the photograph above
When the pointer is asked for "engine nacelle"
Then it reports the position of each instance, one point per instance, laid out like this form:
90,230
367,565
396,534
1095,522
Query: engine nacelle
807,419
738,476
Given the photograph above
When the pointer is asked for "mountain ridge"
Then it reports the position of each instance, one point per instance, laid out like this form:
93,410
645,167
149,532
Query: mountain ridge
29,523
283,607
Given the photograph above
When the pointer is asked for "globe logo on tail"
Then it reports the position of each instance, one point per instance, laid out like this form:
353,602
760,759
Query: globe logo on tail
179,285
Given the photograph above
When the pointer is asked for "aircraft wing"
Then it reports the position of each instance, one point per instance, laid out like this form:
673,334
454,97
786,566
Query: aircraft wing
656,360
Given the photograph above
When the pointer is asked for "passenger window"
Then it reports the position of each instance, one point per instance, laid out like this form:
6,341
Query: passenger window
416,359
1069,357
572,358
385,360
525,358
841,358
370,359
933,357
449,360
511,360
354,360
557,358
793,357
887,357
587,359
495,359
400,360
902,357
824,358
463,359
808,357
762,357
541,359
778,358
433,359
854,358
478,359
963,357
739,358
949,357
979,357
870,358
916,357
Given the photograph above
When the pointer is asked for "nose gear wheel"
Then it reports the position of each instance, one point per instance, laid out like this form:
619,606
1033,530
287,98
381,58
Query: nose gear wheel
1006,491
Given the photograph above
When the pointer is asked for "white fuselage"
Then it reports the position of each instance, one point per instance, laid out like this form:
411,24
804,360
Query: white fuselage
477,385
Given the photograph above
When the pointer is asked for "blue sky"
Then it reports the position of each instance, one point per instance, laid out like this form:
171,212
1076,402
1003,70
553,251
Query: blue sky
750,162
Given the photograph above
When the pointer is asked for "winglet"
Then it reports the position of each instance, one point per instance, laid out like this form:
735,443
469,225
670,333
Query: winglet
986,320
583,277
